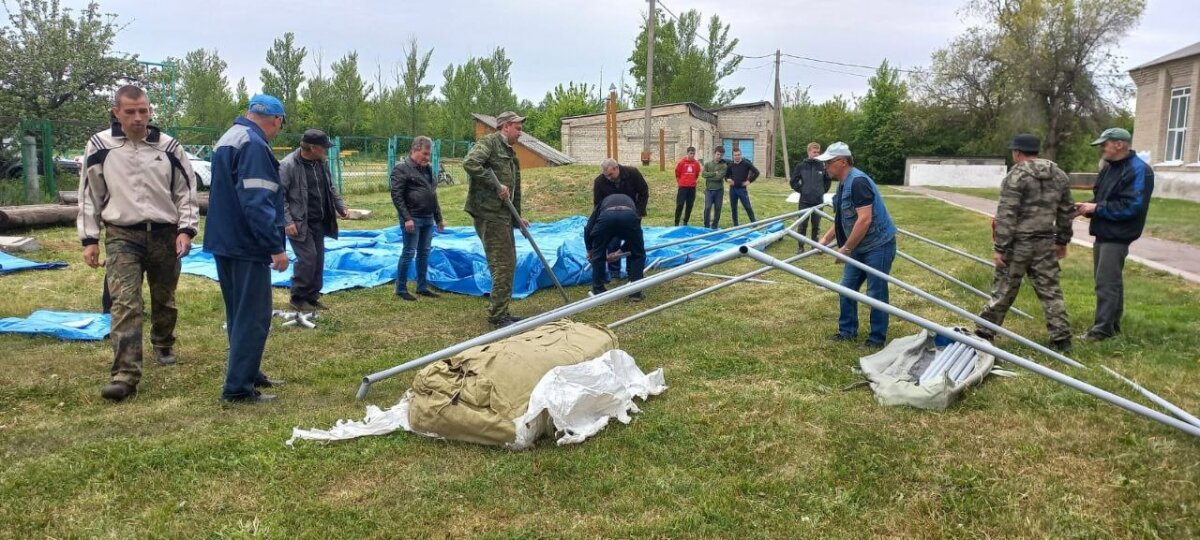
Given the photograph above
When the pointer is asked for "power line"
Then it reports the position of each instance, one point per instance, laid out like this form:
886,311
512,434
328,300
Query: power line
826,69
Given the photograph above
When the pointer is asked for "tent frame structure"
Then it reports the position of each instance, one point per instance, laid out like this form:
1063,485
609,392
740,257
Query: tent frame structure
754,250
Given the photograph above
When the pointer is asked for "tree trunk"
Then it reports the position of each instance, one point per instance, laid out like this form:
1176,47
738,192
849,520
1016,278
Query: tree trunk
39,215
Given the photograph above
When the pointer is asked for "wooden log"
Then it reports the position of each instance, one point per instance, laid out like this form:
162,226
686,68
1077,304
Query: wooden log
68,197
41,215
36,215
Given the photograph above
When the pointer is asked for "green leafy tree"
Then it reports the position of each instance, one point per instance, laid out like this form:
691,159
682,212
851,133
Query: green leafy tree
59,63
352,94
205,90
685,70
416,95
285,73
880,137
242,96
318,107
495,84
545,122
460,95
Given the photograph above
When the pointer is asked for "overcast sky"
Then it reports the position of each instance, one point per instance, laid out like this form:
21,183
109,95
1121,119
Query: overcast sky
552,42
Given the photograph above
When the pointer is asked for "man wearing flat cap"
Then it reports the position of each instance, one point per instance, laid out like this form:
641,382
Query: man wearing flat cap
311,206
1118,209
1031,231
495,177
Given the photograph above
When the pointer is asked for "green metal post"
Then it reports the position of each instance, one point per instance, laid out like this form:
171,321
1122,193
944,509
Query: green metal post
437,159
391,154
335,162
48,157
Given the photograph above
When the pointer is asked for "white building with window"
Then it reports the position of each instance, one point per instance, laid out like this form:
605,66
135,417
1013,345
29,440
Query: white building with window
1166,121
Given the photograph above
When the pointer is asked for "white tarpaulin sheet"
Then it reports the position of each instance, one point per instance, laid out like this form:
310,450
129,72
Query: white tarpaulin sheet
573,402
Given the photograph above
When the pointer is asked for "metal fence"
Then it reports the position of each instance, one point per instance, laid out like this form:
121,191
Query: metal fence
358,164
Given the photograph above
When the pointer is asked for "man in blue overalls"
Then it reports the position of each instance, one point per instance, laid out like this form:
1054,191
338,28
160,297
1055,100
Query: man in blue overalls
864,232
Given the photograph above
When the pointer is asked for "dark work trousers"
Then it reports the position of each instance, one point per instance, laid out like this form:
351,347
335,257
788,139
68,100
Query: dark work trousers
246,288
713,198
684,199
740,194
621,225
1108,262
309,274
814,221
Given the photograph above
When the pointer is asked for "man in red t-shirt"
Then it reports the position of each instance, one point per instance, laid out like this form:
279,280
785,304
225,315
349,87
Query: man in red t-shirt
686,173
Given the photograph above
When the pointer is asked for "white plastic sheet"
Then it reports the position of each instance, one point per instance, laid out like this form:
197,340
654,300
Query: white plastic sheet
574,402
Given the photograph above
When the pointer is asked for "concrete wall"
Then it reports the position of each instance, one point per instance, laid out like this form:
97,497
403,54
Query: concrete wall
583,138
1177,183
954,172
756,123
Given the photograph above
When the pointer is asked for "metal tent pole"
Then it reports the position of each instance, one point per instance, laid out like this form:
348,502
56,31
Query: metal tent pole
706,245
564,311
1184,415
946,276
976,343
529,236
772,219
723,276
943,303
744,277
934,243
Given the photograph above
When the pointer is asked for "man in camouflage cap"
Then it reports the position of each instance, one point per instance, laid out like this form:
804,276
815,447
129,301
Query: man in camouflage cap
495,177
1031,231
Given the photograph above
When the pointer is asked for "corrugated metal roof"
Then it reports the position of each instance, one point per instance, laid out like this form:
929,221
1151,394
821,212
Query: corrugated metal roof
547,152
693,109
1190,50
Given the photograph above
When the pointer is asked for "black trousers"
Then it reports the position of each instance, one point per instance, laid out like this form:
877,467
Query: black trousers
1108,264
622,225
814,221
309,275
684,199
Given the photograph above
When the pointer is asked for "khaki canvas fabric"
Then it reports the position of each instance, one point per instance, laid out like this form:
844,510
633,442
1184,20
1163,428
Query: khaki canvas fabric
476,395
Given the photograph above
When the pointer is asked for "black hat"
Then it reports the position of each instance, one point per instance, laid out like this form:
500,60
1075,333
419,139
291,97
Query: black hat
317,137
1025,143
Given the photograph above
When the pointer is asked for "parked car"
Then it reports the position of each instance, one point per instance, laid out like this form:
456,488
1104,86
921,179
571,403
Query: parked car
202,169
12,168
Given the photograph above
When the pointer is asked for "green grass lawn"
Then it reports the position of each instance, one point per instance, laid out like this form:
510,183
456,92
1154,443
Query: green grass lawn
1169,219
754,439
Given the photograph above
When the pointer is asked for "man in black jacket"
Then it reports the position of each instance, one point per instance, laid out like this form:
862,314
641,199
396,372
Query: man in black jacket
810,180
1118,211
740,174
414,193
616,178
311,206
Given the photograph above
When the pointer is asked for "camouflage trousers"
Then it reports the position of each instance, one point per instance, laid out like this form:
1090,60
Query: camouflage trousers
1036,259
130,253
500,249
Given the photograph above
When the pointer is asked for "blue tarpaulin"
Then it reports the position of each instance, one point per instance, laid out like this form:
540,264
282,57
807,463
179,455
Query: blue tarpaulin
367,258
9,264
60,324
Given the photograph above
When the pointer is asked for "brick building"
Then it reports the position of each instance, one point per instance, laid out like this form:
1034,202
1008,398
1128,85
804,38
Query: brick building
1166,121
750,126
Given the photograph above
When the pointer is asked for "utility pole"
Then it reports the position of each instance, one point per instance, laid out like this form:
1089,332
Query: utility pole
787,169
650,24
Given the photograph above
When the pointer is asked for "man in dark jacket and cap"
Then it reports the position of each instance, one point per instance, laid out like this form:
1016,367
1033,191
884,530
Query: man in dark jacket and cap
1120,203
311,206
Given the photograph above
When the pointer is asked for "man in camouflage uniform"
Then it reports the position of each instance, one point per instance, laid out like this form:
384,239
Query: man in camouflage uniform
495,177
137,183
1031,232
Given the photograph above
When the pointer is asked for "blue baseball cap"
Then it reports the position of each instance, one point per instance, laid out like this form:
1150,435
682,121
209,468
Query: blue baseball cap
266,104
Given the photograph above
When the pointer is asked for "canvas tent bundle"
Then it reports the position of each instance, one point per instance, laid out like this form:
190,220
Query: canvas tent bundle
565,379
894,373
477,395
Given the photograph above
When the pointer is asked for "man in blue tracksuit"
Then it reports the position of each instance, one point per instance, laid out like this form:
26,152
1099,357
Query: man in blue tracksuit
865,233
244,233
1118,210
